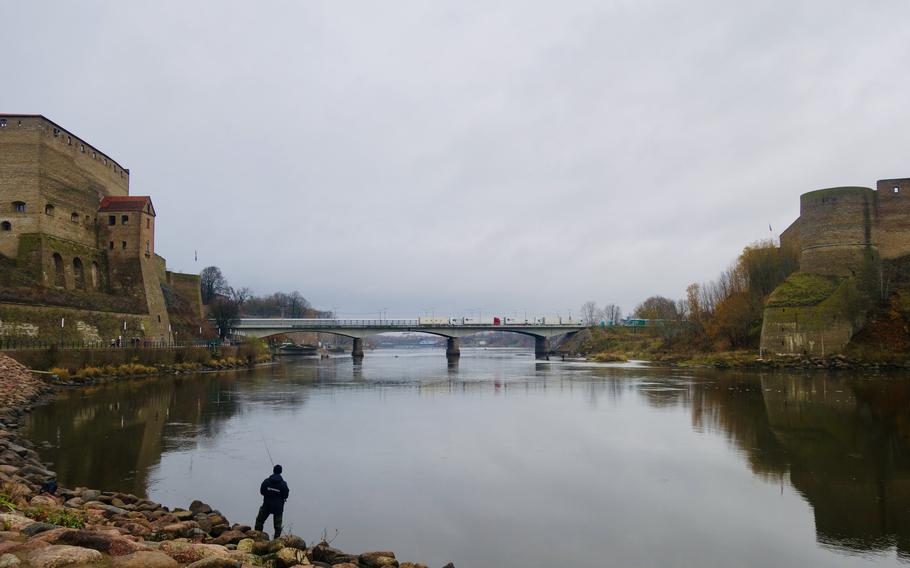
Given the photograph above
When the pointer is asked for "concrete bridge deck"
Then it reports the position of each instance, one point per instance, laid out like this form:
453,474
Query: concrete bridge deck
358,329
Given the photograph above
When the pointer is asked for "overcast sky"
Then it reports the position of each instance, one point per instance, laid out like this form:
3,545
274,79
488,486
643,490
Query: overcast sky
452,156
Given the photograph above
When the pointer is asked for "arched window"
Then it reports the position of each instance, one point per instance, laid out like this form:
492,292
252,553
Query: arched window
96,283
19,206
74,217
59,273
6,226
78,274
48,209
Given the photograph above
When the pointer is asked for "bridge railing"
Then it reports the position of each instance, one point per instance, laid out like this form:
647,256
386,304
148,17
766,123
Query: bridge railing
291,323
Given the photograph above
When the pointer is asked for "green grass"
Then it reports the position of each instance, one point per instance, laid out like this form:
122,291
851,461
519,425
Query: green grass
802,289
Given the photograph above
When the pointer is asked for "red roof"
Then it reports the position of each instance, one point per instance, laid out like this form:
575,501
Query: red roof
130,203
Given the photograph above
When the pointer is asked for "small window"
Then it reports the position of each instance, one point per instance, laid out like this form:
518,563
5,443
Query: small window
88,220
74,217
159,318
147,249
56,132
19,206
94,155
123,245
112,220
48,209
148,223
895,189
124,219
6,226
82,147
2,123
69,140
112,245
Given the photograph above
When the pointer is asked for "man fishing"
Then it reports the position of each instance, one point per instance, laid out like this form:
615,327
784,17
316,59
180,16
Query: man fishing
274,493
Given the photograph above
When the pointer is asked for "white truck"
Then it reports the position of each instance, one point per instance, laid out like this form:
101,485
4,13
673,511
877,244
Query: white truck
433,321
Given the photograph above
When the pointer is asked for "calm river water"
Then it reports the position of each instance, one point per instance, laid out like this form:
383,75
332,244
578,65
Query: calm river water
501,461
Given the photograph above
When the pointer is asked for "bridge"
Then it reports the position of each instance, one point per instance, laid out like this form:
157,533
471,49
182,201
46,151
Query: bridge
357,329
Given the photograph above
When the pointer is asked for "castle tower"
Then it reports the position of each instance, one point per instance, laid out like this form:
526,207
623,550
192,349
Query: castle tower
836,230
892,208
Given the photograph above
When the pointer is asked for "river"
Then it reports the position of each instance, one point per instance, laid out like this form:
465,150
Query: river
502,461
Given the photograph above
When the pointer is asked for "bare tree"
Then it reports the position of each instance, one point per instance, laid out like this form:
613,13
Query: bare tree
225,312
612,314
297,305
589,313
212,283
240,295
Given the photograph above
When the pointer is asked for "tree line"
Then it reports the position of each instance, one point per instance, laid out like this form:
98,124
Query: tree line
227,304
724,313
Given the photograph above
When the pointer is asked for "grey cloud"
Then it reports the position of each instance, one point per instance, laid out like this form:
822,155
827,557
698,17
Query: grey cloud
522,155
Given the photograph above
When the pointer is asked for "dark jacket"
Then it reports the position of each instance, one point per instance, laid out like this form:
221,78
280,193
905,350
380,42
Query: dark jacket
274,493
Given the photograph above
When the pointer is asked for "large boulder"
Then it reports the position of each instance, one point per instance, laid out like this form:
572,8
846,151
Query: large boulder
245,546
288,557
15,522
183,528
188,552
378,559
60,556
200,507
145,559
9,561
216,562
229,537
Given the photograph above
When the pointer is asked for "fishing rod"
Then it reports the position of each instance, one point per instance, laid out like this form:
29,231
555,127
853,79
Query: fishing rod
266,444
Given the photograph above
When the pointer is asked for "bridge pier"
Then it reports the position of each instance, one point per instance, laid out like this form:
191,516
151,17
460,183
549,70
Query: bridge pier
541,347
453,347
357,351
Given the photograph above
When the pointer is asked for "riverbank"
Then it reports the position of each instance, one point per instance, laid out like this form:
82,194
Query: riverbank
92,527
622,344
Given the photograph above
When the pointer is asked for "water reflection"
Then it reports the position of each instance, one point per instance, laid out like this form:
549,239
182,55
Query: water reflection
840,441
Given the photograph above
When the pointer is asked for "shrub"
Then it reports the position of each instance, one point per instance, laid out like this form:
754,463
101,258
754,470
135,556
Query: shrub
89,372
68,518
61,373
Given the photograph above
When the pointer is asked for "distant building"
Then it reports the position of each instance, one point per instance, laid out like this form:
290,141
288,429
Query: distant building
69,225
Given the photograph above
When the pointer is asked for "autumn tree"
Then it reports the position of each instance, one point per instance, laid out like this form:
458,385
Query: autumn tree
657,308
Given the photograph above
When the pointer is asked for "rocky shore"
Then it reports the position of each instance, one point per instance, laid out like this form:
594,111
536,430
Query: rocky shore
72,527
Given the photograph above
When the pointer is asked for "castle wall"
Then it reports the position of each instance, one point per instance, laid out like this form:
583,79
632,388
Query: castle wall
187,287
892,206
19,167
42,164
791,240
836,230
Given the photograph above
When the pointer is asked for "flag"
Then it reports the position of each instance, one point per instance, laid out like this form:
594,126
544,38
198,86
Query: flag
770,229
196,255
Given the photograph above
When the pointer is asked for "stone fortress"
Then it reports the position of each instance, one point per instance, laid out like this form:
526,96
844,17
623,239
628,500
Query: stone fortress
77,248
845,238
